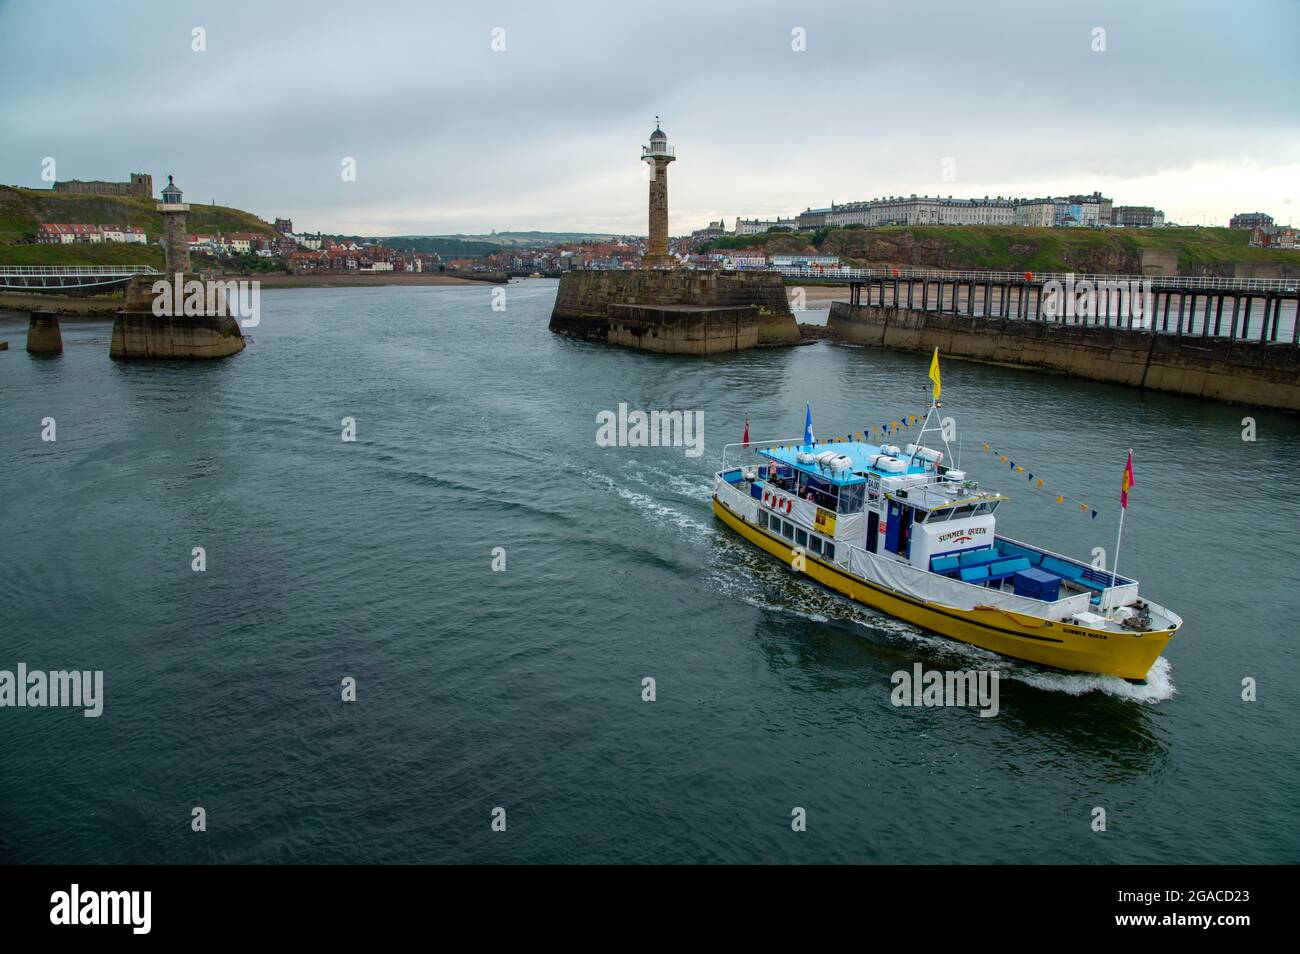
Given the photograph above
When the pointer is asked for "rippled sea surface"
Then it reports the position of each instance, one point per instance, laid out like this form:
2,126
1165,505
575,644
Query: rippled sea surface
523,689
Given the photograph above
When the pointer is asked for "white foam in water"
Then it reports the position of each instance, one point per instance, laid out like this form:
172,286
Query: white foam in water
659,513
1159,686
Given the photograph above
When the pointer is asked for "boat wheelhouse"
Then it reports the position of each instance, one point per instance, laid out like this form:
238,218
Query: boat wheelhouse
898,530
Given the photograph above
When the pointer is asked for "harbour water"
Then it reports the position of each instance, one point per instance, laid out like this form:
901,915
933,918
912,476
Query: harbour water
522,688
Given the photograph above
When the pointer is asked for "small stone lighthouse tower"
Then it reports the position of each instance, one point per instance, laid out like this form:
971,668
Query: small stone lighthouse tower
176,243
658,154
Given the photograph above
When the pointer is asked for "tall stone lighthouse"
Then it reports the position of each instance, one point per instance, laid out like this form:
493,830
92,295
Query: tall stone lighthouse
658,154
176,243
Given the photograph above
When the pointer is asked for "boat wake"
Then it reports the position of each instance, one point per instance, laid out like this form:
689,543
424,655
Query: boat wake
1158,687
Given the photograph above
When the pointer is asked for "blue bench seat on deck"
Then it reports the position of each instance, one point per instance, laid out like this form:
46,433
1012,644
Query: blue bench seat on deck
1012,550
1075,575
974,574
1066,571
944,564
980,557
1006,568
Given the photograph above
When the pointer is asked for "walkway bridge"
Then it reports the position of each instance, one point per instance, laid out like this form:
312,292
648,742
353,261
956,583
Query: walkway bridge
69,279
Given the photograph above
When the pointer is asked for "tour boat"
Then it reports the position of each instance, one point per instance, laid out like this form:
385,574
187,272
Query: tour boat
899,531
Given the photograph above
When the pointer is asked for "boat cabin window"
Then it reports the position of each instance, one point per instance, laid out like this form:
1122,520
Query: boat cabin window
987,506
762,518
851,498
820,492
938,516
963,511
787,529
801,537
828,550
815,544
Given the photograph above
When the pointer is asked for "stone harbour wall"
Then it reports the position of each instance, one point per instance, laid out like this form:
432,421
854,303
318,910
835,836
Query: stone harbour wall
586,301
1255,373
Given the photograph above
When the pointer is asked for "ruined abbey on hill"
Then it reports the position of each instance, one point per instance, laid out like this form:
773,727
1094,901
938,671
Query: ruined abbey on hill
140,184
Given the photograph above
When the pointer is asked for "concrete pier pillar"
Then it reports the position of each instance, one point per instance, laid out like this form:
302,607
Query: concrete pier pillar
1218,317
1232,327
1277,318
1245,320
43,335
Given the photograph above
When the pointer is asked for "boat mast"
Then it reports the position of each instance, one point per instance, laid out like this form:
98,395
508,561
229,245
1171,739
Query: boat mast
925,426
1119,538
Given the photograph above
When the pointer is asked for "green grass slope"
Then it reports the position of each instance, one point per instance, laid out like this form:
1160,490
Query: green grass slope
23,210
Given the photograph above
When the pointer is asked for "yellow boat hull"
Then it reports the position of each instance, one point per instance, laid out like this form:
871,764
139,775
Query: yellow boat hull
1048,643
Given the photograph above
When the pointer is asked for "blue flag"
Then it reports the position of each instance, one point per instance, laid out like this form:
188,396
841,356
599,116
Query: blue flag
808,438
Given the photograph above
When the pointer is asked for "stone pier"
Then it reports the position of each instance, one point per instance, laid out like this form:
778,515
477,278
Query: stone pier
138,332
675,311
43,334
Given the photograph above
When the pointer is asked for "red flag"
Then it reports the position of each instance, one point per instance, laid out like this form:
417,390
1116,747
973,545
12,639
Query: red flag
745,443
1128,482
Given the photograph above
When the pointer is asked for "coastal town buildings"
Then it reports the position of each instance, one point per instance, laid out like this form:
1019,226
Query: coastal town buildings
811,218
50,233
1137,217
756,226
1092,210
1250,220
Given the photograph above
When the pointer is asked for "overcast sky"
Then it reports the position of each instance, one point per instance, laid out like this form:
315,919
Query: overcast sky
1191,107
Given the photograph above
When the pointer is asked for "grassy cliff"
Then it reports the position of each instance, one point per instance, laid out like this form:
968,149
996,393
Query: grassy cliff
23,210
1200,251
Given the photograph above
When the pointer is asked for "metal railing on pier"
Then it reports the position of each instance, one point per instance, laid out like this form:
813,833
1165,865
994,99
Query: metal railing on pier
74,271
855,275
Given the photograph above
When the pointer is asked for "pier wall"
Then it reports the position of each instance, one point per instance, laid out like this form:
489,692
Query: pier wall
139,333
1255,373
668,329
675,311
43,334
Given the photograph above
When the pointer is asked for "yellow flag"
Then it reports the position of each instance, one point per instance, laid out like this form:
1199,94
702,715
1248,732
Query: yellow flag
934,373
